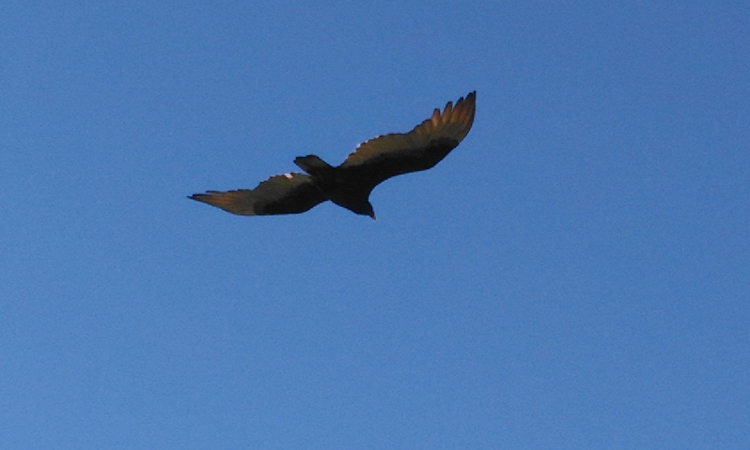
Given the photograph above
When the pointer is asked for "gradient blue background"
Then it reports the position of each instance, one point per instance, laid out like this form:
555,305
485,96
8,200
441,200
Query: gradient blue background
576,274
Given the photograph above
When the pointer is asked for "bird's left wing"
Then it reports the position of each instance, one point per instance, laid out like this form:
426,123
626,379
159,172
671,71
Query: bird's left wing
290,193
420,149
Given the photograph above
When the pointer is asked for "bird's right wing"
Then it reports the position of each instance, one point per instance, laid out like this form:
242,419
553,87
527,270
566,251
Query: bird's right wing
290,193
420,149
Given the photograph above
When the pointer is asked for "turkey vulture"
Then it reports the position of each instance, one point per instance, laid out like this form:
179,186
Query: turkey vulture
349,185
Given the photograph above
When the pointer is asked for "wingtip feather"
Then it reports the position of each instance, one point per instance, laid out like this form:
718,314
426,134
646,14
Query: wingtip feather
435,119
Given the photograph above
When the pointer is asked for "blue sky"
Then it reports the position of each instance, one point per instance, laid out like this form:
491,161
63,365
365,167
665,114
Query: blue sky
574,275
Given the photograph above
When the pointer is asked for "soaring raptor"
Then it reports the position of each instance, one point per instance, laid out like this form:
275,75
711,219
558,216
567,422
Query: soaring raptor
349,184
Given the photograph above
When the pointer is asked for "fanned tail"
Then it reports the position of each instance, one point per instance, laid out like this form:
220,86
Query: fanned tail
313,165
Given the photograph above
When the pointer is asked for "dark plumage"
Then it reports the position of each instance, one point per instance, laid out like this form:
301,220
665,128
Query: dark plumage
349,185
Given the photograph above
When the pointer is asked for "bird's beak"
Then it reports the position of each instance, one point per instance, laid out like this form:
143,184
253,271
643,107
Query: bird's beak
373,216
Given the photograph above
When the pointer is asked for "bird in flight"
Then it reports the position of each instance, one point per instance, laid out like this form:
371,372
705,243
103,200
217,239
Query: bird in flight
349,185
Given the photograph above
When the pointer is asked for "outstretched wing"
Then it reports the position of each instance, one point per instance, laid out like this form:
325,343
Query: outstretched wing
420,149
290,193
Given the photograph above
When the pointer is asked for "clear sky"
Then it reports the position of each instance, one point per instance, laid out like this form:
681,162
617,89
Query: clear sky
576,274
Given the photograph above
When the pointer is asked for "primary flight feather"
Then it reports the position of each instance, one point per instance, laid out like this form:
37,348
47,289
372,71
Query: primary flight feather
349,185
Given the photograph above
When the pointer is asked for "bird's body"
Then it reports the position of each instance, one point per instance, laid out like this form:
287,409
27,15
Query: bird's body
349,185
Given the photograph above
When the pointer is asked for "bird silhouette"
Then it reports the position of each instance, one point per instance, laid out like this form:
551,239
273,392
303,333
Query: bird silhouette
349,185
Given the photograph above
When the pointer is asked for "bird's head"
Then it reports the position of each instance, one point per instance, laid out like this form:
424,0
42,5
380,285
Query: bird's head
363,209
369,211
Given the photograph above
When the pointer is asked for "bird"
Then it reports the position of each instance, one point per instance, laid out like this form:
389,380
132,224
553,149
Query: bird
349,185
